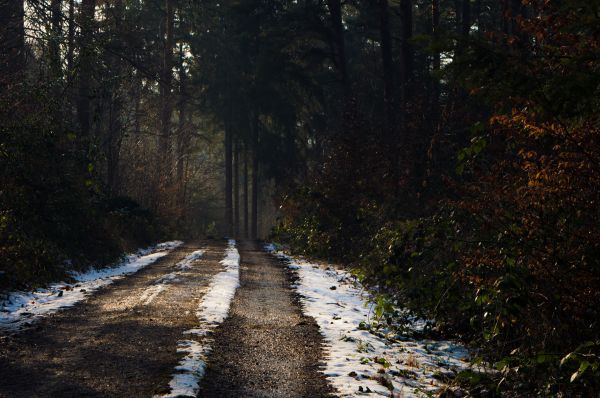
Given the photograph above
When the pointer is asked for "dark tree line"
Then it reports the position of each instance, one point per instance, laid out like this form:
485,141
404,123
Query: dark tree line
449,149
106,142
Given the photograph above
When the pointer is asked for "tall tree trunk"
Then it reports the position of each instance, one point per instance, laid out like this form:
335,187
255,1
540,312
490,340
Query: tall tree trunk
165,95
406,55
435,28
466,18
335,13
71,38
228,182
115,125
55,59
70,57
54,43
255,187
457,12
477,12
86,59
462,9
12,42
137,100
236,188
246,223
388,64
182,134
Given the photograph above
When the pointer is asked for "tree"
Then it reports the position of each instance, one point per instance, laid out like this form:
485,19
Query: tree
236,187
246,223
228,180
114,135
339,46
86,65
55,38
166,101
466,17
12,41
183,133
255,177
407,52
388,64
71,38
436,62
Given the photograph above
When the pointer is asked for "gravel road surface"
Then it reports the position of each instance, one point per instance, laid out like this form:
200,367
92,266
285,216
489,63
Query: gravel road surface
121,342
266,347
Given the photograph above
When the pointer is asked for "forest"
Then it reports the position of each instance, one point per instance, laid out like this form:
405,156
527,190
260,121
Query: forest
447,151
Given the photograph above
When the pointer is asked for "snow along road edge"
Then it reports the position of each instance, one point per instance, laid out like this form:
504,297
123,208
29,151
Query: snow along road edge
212,311
355,357
20,308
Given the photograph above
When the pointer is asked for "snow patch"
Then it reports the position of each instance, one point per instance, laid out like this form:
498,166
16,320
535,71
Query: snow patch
212,311
355,357
160,284
22,308
151,293
187,262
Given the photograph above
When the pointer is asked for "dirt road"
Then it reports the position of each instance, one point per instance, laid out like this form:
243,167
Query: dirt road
266,347
120,342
